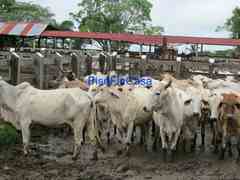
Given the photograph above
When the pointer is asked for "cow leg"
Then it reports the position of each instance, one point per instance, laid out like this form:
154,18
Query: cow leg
203,135
238,148
174,143
25,124
146,135
194,142
215,137
78,130
115,129
225,140
108,131
142,135
229,145
134,132
155,138
164,144
129,135
78,140
153,128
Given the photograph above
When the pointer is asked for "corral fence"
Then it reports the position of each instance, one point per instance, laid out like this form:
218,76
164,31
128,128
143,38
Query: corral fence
42,68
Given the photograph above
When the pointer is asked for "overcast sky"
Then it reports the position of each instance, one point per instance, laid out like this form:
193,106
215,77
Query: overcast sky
178,17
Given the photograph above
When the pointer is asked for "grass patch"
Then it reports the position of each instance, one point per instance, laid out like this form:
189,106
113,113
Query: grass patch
8,134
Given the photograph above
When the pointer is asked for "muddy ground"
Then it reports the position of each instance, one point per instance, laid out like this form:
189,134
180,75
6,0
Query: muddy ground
51,160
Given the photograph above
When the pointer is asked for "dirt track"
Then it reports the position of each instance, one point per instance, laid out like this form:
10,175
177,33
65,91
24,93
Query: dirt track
51,159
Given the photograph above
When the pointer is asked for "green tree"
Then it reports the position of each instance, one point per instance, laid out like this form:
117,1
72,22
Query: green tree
11,10
66,25
112,15
153,30
232,24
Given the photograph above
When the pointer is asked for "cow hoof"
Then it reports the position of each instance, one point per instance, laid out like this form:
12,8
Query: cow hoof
74,158
119,152
154,148
193,149
238,160
172,155
221,156
215,150
230,153
202,148
164,155
95,156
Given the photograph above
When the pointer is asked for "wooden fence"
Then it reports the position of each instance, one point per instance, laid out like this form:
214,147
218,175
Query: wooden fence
42,68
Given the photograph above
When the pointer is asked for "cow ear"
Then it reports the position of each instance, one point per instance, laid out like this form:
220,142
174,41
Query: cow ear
168,84
187,102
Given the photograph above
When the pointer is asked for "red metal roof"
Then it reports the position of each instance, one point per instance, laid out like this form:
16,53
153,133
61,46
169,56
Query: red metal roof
37,29
131,38
22,28
143,39
202,40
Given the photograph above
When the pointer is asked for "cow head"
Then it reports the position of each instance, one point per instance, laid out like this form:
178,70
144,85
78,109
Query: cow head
158,97
229,107
106,95
214,101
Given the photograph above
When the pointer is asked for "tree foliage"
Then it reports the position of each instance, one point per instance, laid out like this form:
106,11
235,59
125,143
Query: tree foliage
11,10
153,30
112,15
66,25
232,24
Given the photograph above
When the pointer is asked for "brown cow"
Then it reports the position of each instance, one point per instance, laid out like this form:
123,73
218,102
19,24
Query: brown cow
229,121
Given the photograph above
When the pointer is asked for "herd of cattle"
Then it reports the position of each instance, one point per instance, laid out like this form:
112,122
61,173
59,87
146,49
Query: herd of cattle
171,110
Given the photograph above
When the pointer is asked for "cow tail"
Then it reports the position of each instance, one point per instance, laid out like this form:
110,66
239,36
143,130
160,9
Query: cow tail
94,134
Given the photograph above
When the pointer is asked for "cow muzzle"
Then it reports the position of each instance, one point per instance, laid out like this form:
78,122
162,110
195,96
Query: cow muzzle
196,114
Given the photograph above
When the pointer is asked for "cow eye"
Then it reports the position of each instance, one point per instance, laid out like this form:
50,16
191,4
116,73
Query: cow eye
187,102
114,95
157,94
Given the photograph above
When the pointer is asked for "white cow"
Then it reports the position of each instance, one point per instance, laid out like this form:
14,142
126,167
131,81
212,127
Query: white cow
170,106
126,109
51,108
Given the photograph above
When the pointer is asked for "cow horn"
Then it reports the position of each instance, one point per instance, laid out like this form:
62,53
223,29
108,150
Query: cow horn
168,84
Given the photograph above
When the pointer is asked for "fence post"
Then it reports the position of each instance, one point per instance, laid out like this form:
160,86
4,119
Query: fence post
211,67
39,69
75,62
15,68
178,68
58,62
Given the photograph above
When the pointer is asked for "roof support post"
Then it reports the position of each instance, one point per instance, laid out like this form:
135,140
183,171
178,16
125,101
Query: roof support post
39,42
63,42
196,51
54,43
109,59
141,49
46,42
